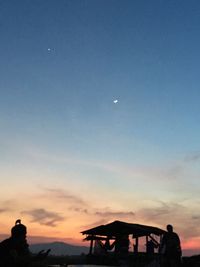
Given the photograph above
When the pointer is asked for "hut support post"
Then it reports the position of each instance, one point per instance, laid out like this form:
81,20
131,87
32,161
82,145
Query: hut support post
91,246
147,243
136,245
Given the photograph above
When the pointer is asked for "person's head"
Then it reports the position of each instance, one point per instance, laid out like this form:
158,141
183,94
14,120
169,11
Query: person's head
169,228
18,230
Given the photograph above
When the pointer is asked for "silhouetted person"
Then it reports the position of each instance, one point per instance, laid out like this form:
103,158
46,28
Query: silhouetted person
151,245
14,250
107,245
171,248
99,248
122,244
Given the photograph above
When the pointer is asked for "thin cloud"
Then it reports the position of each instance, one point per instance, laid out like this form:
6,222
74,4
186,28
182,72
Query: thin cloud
95,224
125,170
3,210
177,214
164,209
66,159
79,210
64,195
196,218
80,206
108,216
156,212
104,212
117,214
9,205
195,156
44,217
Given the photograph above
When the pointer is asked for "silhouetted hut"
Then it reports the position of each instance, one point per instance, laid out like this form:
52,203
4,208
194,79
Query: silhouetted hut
116,228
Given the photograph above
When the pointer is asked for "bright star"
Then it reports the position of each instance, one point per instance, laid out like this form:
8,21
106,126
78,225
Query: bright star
115,101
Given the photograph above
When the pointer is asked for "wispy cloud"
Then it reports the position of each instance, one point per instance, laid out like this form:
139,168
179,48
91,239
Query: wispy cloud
192,157
177,214
79,210
9,205
77,204
196,218
44,217
105,216
169,171
120,169
64,195
116,214
94,224
157,213
3,210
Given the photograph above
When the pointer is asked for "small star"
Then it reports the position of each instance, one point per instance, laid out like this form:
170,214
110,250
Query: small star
49,49
115,101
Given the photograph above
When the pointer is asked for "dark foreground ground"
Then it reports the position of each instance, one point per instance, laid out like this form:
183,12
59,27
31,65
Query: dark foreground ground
141,260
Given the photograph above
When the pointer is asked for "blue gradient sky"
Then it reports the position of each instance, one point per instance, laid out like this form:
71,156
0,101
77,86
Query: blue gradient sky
66,147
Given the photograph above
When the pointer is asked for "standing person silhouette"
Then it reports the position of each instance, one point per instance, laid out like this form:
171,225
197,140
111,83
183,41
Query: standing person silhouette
171,248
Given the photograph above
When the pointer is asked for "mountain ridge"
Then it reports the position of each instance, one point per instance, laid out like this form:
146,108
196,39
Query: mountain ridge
59,248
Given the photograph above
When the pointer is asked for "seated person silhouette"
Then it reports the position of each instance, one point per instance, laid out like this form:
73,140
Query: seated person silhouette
151,247
99,248
14,251
121,245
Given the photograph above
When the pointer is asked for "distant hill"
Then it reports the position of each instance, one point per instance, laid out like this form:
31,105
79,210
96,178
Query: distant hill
191,252
59,248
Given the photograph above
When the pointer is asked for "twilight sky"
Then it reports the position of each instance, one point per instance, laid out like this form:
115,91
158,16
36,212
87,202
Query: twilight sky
71,158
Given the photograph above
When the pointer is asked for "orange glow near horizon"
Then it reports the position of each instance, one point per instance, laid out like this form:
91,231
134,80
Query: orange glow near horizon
193,243
53,214
70,232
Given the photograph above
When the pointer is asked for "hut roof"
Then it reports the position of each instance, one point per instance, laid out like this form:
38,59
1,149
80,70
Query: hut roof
118,227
